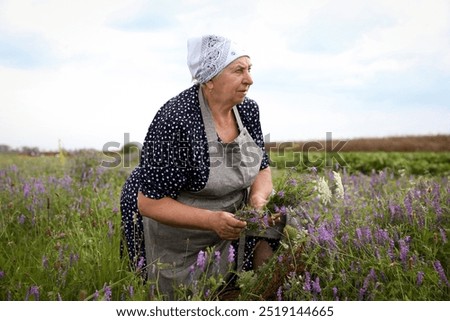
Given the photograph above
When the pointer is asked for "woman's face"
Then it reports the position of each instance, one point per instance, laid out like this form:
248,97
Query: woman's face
232,84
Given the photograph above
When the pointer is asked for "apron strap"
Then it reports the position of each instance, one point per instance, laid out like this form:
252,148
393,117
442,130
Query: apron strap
238,118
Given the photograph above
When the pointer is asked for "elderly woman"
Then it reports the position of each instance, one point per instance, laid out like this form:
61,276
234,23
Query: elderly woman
203,159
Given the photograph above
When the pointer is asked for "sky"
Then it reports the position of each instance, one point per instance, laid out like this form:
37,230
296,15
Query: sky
93,73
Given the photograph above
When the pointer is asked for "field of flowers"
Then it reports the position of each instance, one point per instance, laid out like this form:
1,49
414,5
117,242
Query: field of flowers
351,235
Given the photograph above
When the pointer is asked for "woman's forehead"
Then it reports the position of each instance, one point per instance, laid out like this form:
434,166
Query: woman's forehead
241,61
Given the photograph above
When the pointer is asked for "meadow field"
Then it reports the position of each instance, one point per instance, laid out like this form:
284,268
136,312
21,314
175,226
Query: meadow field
362,226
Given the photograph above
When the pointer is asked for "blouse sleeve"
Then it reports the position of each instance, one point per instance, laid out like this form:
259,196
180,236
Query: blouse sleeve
163,169
251,121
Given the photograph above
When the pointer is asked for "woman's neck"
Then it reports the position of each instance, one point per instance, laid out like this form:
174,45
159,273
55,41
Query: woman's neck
223,116
219,109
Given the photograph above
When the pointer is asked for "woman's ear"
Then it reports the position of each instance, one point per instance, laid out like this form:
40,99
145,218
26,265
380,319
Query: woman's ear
209,85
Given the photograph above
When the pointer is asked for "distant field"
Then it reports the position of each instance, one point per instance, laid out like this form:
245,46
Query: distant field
436,143
416,155
414,163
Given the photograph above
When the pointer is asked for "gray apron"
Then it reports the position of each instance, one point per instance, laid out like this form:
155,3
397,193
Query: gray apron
172,252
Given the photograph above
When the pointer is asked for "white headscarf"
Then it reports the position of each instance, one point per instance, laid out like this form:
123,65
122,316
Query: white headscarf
209,54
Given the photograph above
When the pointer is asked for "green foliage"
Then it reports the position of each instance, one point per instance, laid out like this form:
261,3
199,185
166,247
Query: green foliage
358,233
414,163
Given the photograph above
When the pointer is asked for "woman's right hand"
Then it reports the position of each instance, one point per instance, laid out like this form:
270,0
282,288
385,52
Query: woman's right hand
226,225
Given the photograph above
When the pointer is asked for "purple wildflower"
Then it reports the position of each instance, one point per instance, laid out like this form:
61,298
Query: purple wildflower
66,182
362,293
131,291
217,256
367,234
281,194
21,219
404,249
377,253
370,277
108,293
335,294
39,186
382,236
280,294
325,236
344,239
231,254
26,190
440,270
408,205
96,295
337,221
2,274
395,210
141,262
316,286
307,285
33,291
391,250
420,276
201,260
359,234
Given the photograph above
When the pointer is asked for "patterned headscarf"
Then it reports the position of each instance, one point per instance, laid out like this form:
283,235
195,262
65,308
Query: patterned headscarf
210,54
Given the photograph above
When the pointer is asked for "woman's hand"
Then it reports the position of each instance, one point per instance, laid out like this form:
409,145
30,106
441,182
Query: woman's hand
226,225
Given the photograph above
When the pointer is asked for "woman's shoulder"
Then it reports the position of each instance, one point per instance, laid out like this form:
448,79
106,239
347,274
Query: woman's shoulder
184,106
187,100
248,108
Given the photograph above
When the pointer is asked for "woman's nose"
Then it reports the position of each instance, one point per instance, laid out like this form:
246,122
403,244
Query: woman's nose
248,78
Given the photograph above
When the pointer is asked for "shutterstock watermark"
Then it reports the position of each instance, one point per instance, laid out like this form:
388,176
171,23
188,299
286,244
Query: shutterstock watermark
325,153
319,153
121,154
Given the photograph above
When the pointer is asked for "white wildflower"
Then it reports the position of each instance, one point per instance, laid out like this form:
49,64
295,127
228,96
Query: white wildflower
339,186
324,191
